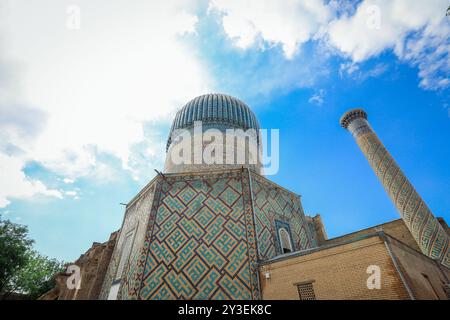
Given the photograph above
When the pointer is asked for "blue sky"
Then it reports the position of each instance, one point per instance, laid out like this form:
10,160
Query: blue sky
85,109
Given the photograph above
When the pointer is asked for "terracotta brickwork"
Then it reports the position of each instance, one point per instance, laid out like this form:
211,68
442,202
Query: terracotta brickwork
317,228
93,265
338,272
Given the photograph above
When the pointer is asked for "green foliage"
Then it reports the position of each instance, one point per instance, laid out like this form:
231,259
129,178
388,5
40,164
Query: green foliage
23,270
14,248
36,277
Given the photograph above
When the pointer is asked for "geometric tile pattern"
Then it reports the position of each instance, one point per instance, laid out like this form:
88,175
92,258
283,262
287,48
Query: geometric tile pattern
251,232
201,235
197,243
272,203
135,219
425,228
430,236
286,226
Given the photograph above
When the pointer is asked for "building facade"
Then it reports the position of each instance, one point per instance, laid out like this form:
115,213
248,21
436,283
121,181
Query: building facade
199,230
370,264
216,228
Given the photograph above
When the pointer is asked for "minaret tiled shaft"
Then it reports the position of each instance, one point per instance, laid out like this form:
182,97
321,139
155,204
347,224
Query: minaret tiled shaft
425,228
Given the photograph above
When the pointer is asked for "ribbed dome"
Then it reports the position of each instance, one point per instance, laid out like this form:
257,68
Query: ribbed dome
214,108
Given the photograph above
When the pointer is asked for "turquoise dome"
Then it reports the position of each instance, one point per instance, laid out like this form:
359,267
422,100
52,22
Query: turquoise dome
219,109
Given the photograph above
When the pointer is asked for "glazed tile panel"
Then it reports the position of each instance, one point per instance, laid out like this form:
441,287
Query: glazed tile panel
272,203
197,243
431,237
425,228
136,218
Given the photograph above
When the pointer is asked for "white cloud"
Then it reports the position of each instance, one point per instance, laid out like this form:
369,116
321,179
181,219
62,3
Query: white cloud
378,25
348,68
71,193
416,31
185,23
93,89
14,183
288,23
430,52
68,181
317,98
354,71
67,96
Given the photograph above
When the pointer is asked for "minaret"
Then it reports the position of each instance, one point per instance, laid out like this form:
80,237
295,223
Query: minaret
423,225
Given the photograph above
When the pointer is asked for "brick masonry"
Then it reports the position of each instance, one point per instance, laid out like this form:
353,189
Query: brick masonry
93,266
337,273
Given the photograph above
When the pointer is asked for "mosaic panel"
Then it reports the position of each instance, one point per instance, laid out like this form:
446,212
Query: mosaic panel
136,217
272,203
424,227
200,241
286,226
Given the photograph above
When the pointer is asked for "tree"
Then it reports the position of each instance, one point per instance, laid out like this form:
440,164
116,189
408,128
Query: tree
36,277
14,248
23,270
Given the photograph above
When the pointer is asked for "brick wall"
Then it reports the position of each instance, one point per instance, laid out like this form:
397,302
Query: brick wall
93,265
338,272
424,276
396,229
